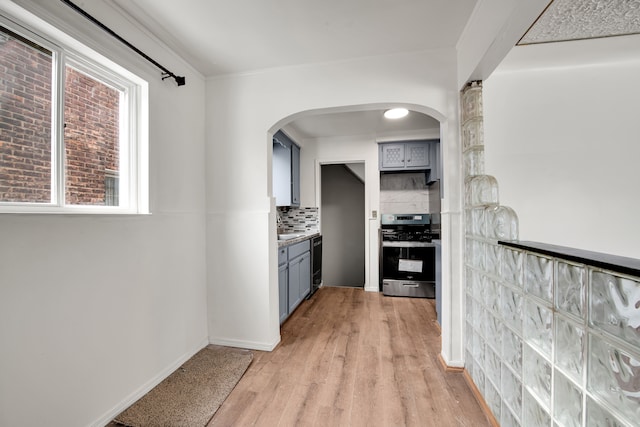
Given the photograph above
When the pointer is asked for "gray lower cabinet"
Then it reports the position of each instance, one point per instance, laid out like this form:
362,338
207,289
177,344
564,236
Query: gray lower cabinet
299,280
294,276
283,281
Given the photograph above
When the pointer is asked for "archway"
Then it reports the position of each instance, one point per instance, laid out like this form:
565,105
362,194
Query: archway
364,149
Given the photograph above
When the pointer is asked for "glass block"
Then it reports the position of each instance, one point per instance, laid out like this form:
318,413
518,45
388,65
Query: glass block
473,282
570,288
478,350
481,190
493,252
468,251
478,310
492,398
481,260
501,223
537,375
478,376
614,376
473,161
468,362
493,332
615,306
492,295
570,341
600,417
468,336
512,350
538,276
469,308
533,414
474,253
512,391
512,308
567,405
507,419
475,222
538,322
492,366
512,266
471,103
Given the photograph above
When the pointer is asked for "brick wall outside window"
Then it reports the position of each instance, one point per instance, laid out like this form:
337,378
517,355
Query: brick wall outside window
25,122
91,137
91,133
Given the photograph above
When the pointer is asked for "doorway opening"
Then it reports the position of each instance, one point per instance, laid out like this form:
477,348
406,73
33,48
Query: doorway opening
343,224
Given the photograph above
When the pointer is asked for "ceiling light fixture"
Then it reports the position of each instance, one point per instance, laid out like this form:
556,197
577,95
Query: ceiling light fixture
396,113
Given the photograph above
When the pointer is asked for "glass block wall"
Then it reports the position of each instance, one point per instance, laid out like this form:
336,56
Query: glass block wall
548,342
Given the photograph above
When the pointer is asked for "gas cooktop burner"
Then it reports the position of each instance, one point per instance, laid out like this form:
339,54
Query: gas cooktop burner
409,228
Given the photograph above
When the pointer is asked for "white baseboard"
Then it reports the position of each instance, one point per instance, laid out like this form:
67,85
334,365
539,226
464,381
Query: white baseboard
145,388
252,345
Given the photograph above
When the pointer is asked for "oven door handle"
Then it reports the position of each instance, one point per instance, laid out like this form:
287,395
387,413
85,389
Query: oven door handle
405,244
410,285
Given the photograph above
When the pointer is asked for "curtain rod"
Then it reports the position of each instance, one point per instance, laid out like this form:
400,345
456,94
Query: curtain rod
180,80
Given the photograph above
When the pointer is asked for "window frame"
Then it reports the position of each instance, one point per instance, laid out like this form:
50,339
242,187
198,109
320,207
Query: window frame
133,121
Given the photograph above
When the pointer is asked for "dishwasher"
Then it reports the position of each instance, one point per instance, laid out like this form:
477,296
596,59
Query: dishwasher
316,264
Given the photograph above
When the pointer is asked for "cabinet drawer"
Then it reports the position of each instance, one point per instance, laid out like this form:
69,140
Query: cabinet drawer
283,257
298,249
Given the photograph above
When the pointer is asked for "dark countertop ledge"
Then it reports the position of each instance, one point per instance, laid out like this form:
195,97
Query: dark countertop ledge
618,264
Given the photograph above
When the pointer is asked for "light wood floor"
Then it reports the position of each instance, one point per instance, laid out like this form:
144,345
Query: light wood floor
353,358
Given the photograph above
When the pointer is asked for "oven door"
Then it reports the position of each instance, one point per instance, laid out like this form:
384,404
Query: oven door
408,269
409,261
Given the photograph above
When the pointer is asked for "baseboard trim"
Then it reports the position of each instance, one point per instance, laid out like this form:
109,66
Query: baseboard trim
145,388
448,368
252,345
480,399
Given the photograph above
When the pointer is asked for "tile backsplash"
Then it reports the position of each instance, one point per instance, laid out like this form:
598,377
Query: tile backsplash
298,219
408,192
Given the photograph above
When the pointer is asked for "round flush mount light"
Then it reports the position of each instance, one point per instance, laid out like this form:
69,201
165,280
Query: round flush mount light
396,113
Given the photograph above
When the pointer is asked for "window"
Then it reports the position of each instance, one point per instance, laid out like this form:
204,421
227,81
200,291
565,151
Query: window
69,129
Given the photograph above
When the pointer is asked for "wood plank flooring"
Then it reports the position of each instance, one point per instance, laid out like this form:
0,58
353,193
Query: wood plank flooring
353,358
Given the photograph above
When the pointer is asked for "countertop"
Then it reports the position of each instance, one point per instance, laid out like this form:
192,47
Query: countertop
303,237
615,263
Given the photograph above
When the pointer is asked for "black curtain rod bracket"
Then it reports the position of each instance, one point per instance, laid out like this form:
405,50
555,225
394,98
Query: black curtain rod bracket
180,80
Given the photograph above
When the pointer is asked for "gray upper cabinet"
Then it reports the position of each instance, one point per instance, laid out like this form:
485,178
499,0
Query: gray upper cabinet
286,171
295,175
411,155
406,155
391,156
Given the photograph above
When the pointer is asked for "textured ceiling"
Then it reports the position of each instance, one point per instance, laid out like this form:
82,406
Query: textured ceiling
567,20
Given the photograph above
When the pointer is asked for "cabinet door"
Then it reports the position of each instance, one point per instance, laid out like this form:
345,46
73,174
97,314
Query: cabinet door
392,156
283,289
281,172
294,284
417,155
295,175
305,275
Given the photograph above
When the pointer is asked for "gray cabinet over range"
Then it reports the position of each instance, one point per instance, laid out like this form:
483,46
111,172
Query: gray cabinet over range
401,156
286,170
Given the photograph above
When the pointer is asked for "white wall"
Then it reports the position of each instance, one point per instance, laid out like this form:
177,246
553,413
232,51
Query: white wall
94,309
241,111
561,137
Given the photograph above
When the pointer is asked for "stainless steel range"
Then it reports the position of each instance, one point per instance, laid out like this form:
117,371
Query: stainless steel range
410,254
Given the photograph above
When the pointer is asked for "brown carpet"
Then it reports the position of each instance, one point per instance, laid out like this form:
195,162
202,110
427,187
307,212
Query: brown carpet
191,395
